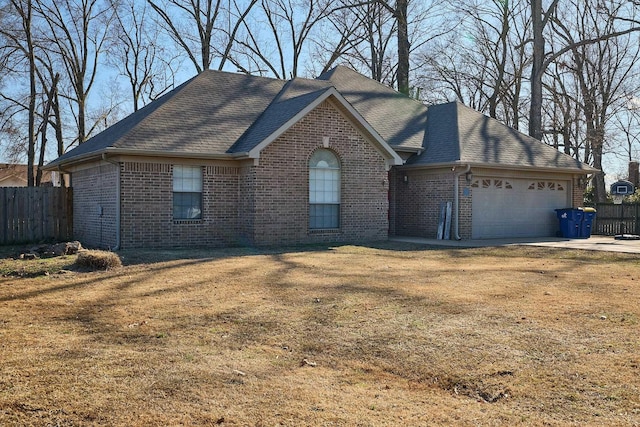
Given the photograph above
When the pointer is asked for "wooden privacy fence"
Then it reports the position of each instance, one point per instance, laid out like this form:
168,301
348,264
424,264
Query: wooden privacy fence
32,214
616,219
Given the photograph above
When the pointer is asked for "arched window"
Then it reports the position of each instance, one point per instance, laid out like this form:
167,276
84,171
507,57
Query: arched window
324,190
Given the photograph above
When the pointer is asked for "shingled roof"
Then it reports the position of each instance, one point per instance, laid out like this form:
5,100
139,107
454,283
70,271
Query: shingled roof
205,115
457,134
216,114
233,115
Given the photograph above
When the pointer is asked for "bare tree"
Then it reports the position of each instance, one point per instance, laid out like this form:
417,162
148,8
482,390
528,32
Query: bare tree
564,119
49,78
136,51
411,13
539,19
78,32
601,69
275,38
482,62
379,38
197,25
366,33
50,99
19,33
626,125
452,73
617,11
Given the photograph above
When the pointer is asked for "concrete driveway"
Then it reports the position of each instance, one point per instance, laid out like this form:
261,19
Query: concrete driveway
594,243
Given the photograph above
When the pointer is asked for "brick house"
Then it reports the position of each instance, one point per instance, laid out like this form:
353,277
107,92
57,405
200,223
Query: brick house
228,159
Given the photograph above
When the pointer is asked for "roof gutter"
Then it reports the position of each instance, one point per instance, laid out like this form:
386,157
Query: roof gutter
402,149
94,155
117,164
456,200
587,170
159,153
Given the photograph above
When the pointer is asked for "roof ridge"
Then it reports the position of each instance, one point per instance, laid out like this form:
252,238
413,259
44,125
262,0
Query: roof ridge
262,114
382,85
294,80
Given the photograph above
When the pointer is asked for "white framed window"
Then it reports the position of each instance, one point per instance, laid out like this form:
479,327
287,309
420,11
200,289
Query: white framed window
187,192
324,190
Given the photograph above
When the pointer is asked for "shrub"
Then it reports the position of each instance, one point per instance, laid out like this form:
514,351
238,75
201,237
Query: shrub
98,260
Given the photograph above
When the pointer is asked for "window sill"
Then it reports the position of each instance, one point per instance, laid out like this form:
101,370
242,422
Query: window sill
187,221
325,231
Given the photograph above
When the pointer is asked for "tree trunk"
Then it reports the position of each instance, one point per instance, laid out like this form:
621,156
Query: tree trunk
403,46
43,129
600,192
537,71
58,122
501,63
32,96
82,137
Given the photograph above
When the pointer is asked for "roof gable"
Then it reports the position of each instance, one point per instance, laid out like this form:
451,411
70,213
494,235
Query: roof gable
296,96
400,120
295,101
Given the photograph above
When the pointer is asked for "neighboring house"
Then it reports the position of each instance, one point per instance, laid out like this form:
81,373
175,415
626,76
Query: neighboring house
15,175
229,159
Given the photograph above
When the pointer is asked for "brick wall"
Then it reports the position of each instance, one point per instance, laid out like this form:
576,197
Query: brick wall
417,202
395,177
263,204
282,183
577,192
94,205
246,204
147,208
465,205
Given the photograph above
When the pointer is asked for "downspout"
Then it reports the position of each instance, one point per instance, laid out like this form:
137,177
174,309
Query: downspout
104,157
456,201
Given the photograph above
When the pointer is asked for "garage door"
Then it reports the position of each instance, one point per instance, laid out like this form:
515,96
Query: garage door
516,207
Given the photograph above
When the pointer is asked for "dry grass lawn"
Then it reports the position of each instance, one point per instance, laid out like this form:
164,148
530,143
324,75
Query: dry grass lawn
386,335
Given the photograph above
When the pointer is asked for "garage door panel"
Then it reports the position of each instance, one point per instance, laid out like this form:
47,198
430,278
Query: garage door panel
516,207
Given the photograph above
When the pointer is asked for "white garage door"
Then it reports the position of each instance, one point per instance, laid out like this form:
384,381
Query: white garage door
516,207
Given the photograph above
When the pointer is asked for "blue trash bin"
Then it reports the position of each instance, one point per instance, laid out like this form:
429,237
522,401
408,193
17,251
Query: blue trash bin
588,216
570,222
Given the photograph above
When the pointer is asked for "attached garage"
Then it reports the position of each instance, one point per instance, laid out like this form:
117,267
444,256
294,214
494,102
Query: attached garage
501,183
516,207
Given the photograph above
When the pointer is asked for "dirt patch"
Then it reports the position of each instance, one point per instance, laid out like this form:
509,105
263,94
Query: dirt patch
348,335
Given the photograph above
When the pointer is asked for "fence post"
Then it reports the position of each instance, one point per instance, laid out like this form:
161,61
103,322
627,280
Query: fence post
4,217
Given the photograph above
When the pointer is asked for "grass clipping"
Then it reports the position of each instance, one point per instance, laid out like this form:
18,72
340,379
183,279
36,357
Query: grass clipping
98,260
